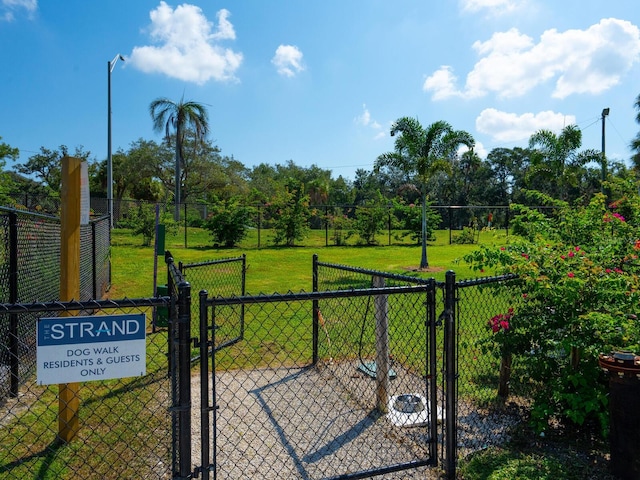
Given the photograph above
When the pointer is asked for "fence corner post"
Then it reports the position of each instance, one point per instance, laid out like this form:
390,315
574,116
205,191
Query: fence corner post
316,306
451,375
184,378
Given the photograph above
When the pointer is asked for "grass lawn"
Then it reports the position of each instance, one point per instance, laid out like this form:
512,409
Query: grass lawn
278,269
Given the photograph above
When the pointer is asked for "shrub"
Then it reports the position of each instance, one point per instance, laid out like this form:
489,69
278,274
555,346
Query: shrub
229,223
578,274
290,215
142,221
466,237
370,219
409,217
341,228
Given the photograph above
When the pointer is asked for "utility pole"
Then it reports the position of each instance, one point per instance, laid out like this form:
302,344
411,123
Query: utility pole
605,112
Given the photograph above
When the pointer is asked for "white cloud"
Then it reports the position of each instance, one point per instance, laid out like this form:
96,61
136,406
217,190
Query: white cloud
480,150
8,8
365,120
442,83
187,45
493,6
511,64
510,127
288,60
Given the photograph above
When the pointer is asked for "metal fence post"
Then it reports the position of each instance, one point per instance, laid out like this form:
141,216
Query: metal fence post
243,290
184,378
205,410
94,263
14,359
451,376
315,310
432,345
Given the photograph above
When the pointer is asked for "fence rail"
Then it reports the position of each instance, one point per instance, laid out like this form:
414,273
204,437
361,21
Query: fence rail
30,272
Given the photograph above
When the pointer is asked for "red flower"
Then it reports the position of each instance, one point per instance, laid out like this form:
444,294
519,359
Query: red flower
570,275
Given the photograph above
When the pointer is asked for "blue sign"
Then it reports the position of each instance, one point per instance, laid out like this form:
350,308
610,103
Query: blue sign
74,330
100,347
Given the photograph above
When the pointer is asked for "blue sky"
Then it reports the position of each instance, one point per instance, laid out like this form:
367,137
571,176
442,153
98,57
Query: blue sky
319,82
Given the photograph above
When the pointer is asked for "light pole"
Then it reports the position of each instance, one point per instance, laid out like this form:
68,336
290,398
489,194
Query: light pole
110,67
605,112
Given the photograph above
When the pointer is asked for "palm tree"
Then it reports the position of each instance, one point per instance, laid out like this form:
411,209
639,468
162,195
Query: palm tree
421,152
556,159
179,117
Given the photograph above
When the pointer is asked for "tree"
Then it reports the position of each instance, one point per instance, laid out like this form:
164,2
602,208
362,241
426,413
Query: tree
556,163
46,166
290,214
6,151
422,152
635,143
179,117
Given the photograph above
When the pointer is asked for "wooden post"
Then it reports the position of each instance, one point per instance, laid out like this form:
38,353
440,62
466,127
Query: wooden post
382,347
68,393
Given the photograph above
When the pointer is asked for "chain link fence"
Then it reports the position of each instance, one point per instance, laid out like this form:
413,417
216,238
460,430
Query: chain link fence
492,398
124,429
30,272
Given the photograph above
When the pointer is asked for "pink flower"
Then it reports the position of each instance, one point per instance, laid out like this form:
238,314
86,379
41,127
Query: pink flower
608,270
563,257
501,321
618,270
502,248
571,254
619,217
525,256
525,295
570,275
577,249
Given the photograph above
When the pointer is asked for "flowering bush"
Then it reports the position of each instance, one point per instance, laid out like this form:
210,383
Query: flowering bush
500,322
578,275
